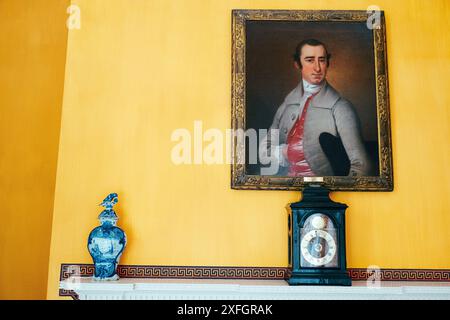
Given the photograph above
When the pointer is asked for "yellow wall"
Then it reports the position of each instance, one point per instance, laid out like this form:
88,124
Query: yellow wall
33,41
137,70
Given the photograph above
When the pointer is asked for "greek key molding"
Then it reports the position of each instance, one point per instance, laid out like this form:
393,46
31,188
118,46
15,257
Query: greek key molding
435,275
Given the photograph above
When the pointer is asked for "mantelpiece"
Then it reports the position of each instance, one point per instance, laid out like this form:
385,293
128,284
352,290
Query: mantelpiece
225,289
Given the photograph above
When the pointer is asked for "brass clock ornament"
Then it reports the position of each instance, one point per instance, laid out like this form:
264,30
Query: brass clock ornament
317,240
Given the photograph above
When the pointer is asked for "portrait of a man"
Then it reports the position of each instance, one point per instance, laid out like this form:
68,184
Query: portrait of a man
318,130
312,87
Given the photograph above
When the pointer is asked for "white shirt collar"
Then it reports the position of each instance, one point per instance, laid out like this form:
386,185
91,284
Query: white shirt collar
310,89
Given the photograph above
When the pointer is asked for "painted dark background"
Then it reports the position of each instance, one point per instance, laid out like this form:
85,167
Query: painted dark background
271,74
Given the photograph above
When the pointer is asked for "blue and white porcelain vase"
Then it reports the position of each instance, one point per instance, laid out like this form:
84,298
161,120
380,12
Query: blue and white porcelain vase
107,242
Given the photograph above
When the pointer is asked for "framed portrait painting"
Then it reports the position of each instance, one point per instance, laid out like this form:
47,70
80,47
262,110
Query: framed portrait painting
310,100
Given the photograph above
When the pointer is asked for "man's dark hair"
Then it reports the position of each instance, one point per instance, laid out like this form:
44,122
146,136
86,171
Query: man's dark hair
310,42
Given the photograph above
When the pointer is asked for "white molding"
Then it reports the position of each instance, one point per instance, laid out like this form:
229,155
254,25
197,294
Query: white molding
202,289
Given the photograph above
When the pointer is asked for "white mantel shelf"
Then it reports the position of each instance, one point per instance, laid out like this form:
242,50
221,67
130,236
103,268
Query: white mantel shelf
199,289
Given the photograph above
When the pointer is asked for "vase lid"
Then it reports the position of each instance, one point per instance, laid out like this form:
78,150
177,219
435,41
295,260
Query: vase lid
108,213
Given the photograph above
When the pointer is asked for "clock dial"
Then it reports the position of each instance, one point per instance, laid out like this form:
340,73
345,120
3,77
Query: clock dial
318,247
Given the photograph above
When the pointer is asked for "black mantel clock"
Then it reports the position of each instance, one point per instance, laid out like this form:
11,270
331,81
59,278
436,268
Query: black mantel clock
317,240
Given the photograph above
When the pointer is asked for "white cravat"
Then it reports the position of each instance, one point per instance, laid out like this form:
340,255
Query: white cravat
309,89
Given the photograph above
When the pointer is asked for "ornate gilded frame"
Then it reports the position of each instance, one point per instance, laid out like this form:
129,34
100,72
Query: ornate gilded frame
243,181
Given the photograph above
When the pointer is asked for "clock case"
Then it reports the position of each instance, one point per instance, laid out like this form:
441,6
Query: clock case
315,200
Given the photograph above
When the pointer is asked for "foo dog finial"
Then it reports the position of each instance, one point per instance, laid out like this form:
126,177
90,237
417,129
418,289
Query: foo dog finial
109,201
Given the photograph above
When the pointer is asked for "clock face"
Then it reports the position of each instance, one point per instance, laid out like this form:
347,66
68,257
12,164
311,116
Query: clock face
318,246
